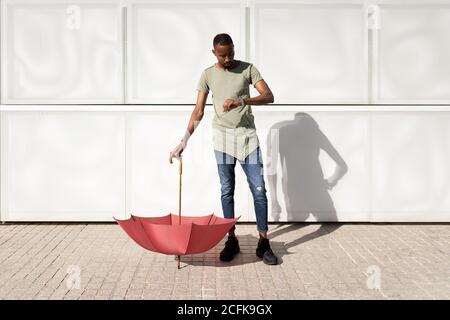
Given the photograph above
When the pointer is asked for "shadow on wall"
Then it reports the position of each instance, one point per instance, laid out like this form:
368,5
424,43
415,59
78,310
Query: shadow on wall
297,144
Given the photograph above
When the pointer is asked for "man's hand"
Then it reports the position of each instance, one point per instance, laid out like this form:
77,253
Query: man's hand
178,150
231,104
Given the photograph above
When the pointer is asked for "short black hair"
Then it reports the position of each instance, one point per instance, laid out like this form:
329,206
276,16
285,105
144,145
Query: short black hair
222,39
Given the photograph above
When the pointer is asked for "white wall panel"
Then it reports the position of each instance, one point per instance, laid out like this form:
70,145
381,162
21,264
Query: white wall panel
62,166
311,53
170,43
410,166
411,53
61,52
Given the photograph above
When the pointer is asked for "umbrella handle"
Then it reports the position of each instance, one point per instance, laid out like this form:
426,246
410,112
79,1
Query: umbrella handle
181,162
179,197
179,189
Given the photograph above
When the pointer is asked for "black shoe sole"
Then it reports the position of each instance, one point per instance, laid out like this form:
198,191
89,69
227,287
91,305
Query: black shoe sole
270,263
267,262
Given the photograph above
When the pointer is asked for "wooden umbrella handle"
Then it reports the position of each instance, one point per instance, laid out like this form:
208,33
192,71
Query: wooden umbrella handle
179,186
179,196
179,191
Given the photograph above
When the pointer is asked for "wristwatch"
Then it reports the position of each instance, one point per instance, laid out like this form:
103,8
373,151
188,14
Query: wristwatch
242,102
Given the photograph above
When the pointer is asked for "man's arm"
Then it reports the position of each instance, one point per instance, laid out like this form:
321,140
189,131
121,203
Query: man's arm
341,167
265,96
198,112
194,121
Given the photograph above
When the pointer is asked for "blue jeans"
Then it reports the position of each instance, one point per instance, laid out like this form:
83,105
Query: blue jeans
253,168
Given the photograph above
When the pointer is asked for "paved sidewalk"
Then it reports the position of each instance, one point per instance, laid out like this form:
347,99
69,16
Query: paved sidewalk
329,261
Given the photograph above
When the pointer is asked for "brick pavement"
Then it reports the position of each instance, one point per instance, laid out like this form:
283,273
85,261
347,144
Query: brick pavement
318,261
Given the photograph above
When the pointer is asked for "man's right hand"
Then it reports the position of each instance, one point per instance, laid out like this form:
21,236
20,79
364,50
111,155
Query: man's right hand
178,150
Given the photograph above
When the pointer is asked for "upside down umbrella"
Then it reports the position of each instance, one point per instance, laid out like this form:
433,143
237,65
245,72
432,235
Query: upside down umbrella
177,235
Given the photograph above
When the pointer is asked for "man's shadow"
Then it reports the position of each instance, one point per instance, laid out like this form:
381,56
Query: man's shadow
296,144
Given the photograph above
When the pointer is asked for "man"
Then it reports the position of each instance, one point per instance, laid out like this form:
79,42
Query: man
234,136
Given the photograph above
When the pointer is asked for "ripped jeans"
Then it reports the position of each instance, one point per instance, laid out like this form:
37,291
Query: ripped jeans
253,169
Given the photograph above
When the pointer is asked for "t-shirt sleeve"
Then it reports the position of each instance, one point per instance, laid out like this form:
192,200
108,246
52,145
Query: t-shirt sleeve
203,83
255,75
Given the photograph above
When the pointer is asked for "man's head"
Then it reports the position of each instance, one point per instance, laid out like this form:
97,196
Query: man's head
224,50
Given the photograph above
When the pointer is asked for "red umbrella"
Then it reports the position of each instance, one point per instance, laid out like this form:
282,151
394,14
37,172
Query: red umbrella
177,235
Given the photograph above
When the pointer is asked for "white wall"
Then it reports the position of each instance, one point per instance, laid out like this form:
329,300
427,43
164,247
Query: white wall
95,94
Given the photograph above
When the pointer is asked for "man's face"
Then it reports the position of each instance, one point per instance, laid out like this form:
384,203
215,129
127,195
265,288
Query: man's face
225,55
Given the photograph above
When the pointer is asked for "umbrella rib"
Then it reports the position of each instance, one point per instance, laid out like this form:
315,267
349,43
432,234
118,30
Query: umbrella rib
145,232
189,238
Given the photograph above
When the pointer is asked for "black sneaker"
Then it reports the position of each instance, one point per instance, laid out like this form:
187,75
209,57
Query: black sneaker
230,250
263,251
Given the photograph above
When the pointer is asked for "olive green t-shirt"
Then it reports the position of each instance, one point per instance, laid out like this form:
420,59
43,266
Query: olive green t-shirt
234,131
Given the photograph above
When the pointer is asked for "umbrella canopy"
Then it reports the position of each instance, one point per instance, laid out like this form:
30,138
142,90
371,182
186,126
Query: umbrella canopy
176,234
169,235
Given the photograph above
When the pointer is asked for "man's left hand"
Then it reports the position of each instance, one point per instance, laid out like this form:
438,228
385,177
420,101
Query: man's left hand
230,104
